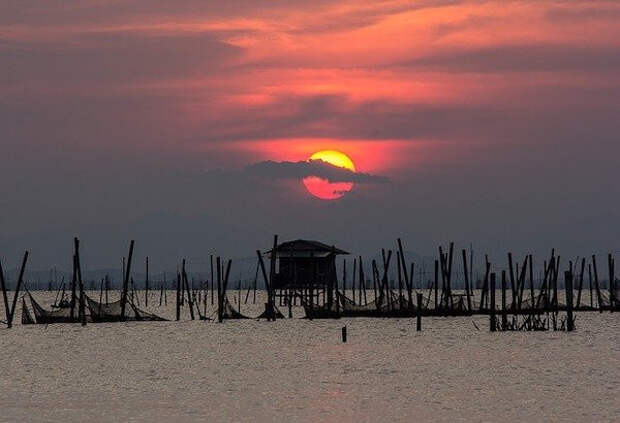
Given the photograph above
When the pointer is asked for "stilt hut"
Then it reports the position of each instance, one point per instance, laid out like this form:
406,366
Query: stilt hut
301,263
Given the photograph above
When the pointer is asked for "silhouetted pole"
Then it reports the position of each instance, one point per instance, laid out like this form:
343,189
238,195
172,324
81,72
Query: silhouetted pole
419,313
272,276
73,287
504,315
596,284
146,284
612,283
178,306
493,320
436,284
190,301
512,282
581,277
20,280
126,281
467,292
220,297
82,310
408,277
568,285
5,297
212,282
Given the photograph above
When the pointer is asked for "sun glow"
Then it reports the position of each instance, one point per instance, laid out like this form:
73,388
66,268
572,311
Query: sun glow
322,188
335,158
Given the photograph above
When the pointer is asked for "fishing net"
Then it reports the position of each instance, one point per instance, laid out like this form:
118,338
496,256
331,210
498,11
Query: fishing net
111,312
26,317
229,312
45,317
266,314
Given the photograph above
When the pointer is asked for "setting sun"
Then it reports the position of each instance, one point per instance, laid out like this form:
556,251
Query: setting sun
321,187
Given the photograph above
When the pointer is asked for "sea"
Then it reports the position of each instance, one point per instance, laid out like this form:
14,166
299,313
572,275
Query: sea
299,370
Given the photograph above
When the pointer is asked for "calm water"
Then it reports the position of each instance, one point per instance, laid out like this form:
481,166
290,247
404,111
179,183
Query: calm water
298,370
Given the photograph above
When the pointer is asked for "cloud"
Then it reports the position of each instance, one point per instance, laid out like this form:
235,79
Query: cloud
302,169
523,58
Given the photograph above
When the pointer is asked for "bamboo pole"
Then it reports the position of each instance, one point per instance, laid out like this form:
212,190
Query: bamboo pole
465,273
211,260
512,281
419,313
493,318
126,281
272,276
408,277
596,284
362,282
581,274
82,309
265,278
568,286
73,287
220,296
20,281
504,315
146,284
612,278
178,296
436,284
7,310
190,301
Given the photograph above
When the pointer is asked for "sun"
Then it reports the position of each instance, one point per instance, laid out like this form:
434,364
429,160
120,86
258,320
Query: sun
321,187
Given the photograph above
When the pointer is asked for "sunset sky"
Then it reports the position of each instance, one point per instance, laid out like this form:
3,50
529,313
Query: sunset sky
181,125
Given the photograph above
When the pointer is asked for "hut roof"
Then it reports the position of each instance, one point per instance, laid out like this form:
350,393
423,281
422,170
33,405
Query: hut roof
304,247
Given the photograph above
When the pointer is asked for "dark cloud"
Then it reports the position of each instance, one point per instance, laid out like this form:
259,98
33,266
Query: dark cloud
105,58
302,169
572,16
523,58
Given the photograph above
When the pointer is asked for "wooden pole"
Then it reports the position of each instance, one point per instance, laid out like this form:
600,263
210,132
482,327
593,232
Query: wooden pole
265,278
82,309
220,296
73,289
612,279
126,281
101,293
400,283
484,296
408,277
504,315
532,294
596,284
512,281
493,319
225,280
568,285
5,297
20,280
590,282
466,274
190,301
436,284
211,260
362,282
146,284
581,275
178,297
353,281
272,276
419,313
